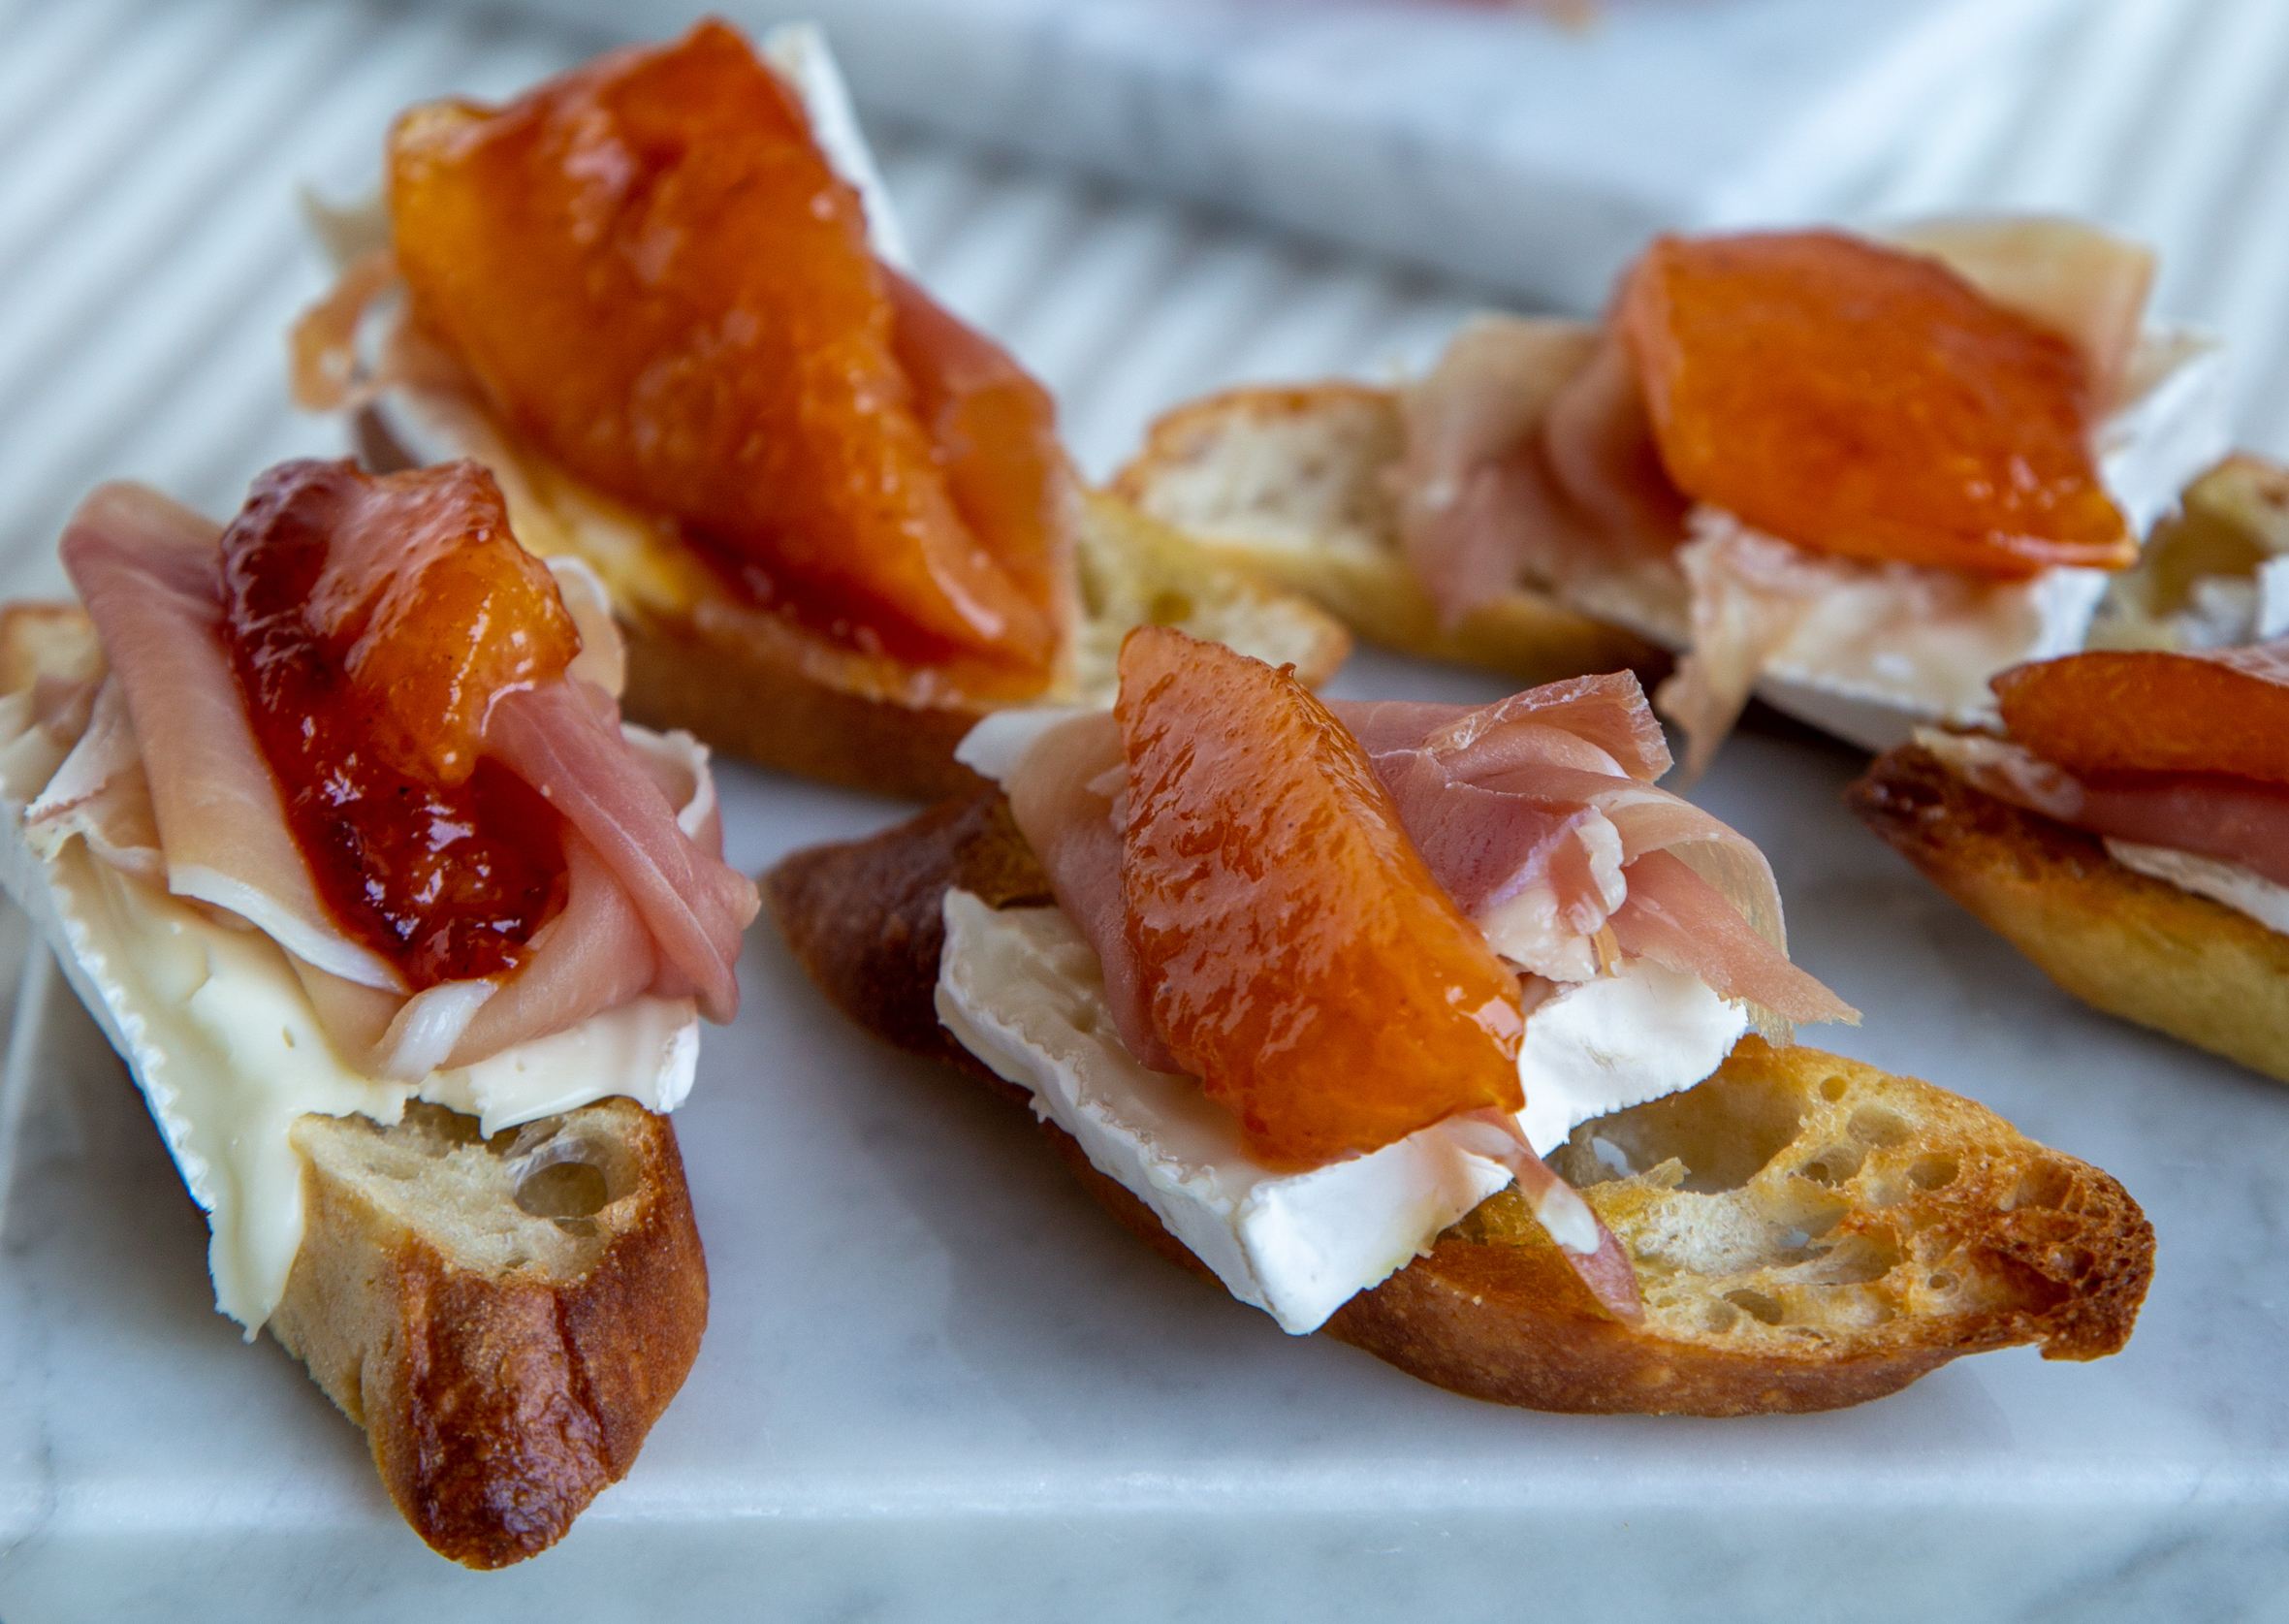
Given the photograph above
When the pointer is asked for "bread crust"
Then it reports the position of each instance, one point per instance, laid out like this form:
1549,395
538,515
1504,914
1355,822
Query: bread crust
740,697
1269,477
2120,940
772,700
2035,1246
498,1405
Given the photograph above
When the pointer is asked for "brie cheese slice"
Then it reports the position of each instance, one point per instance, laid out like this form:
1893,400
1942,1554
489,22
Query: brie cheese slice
1021,990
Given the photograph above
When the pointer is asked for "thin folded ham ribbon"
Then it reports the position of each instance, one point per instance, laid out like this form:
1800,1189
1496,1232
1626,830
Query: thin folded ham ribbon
651,906
564,738
1529,456
1538,815
2234,820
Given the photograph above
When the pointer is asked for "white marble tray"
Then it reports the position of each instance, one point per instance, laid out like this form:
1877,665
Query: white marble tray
1481,139
939,1384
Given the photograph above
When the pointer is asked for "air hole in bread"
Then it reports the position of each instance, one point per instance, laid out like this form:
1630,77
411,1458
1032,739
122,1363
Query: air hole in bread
1935,1171
2043,1185
567,1177
1755,1304
565,1189
1834,1089
1872,1125
1833,1165
1857,1260
1941,1282
1723,1137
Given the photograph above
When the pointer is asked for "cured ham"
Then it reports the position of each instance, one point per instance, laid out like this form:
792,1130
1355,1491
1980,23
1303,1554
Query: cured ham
564,741
1066,805
147,570
1715,466
1539,816
1535,818
2179,751
1529,456
172,758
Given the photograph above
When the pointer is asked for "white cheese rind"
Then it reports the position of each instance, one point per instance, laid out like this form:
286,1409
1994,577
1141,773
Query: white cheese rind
2240,889
1636,1034
1023,991
999,742
799,53
220,1038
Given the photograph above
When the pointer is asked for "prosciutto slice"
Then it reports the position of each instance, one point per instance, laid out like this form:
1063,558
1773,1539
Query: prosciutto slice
564,738
2234,820
1529,456
146,569
168,783
1063,797
1537,815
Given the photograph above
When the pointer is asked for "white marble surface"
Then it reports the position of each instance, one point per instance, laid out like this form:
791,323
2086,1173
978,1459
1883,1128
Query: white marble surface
938,1383
1483,141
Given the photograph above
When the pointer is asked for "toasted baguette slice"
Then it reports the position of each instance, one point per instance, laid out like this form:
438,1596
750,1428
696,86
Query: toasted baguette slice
756,702
2120,940
771,703
505,1318
1808,1232
1290,484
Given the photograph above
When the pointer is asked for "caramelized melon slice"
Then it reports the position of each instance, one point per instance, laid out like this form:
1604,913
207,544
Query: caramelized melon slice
650,272
1867,402
1294,951
2222,710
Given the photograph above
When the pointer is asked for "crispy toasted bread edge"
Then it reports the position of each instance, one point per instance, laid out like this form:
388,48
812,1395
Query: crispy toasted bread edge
498,1408
2120,940
1509,1323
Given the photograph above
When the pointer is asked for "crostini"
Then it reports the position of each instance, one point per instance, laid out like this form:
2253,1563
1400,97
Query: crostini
1854,476
660,298
2128,831
331,822
1430,1027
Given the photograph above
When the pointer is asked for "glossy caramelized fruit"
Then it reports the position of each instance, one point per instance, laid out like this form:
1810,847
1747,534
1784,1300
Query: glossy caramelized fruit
651,272
371,624
2225,711
1294,951
1868,403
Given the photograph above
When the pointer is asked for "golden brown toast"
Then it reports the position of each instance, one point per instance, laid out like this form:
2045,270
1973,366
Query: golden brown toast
1292,486
2120,940
1808,1232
